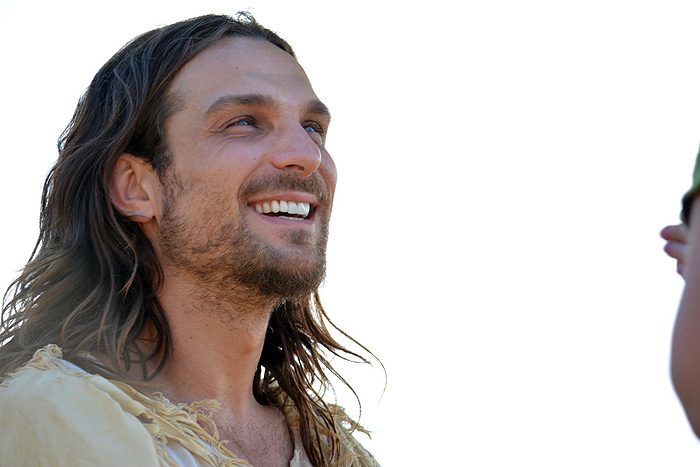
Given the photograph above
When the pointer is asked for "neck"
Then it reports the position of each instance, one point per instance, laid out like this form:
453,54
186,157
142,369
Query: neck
216,339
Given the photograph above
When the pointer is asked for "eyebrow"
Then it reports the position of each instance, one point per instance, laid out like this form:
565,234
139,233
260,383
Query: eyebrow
313,106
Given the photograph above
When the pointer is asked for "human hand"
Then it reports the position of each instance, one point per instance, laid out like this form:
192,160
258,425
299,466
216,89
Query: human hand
676,237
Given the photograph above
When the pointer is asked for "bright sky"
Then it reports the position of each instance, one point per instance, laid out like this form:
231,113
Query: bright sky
505,168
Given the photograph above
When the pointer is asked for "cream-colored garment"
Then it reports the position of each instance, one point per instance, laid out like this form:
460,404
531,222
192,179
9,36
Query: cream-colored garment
54,414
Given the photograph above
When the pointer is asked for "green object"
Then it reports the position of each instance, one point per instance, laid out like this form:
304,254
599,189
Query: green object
690,194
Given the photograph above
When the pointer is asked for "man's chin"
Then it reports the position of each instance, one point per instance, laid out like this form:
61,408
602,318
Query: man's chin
286,283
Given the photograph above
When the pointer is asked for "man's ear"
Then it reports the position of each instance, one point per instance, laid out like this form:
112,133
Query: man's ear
134,188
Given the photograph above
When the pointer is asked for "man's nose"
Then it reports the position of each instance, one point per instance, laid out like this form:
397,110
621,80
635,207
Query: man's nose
296,151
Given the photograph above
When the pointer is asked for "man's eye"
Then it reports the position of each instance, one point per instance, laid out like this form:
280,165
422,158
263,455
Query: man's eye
312,127
243,121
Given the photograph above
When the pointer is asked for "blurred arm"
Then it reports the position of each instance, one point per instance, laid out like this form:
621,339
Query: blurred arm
685,353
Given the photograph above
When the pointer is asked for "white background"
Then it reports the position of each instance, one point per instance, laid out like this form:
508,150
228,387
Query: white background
505,168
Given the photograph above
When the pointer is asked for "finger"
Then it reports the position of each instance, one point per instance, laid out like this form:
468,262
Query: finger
677,233
676,250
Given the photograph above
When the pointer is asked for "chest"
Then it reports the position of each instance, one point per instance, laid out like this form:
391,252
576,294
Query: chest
264,442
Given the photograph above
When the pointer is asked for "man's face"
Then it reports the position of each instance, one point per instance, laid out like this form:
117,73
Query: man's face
247,144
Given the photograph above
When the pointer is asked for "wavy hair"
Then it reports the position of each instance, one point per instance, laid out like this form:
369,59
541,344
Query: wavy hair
90,284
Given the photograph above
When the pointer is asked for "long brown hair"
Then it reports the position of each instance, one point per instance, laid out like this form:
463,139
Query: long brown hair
91,282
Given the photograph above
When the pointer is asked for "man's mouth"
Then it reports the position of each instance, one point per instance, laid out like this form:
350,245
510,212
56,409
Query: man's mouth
284,209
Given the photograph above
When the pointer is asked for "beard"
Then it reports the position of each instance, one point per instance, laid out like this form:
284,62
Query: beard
220,249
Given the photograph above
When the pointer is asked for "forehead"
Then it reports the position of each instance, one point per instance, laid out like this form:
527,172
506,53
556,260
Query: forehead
241,66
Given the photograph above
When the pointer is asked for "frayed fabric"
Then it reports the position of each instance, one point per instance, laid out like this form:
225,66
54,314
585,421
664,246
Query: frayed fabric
54,413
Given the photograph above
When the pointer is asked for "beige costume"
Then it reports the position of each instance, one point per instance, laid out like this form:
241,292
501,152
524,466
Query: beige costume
55,414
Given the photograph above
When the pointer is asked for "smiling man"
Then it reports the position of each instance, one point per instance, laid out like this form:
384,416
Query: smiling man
170,313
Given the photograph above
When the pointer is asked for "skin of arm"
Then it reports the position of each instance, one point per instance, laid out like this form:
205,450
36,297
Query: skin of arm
685,351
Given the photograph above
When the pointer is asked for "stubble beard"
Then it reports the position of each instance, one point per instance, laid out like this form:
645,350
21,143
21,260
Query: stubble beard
232,259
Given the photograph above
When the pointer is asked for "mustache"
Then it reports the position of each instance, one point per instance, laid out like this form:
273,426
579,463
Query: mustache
312,184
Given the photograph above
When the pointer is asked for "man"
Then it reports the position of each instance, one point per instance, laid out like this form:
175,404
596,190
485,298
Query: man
170,313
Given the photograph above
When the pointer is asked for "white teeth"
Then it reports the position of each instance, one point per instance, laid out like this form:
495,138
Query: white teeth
290,207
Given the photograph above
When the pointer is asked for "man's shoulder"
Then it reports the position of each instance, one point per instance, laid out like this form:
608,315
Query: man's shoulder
45,366
351,452
49,381
59,412
54,405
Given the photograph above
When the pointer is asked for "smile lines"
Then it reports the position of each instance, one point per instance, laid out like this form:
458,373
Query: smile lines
298,210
